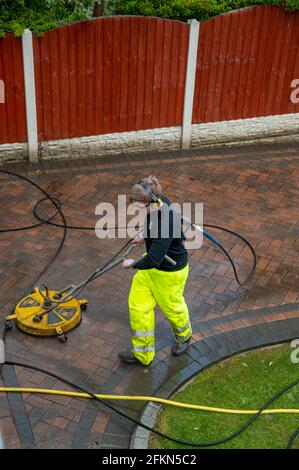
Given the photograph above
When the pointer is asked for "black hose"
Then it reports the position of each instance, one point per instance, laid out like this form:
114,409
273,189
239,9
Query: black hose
57,205
220,246
148,428
232,263
293,438
65,227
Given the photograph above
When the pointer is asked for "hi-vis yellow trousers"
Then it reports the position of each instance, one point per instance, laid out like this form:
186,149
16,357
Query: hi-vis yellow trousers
149,288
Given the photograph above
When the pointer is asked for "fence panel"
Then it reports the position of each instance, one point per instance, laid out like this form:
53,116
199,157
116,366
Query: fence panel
111,74
12,102
247,60
117,74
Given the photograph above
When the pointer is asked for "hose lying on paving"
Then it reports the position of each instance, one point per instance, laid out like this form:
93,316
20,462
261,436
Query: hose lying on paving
155,431
56,203
163,401
205,234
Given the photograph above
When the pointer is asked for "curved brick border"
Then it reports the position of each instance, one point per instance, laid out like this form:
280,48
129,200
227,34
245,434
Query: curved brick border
209,351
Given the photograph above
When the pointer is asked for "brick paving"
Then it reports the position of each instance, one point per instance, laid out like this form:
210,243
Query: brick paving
251,189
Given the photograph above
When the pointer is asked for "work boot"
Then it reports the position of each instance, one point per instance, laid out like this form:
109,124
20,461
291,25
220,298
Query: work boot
178,349
128,357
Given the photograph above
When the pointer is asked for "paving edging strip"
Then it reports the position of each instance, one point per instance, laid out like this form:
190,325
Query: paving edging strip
206,353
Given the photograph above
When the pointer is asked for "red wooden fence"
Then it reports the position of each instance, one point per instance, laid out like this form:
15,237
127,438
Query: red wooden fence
12,111
110,75
247,60
118,74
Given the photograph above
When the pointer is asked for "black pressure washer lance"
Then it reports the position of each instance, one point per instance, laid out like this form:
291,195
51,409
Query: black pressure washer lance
53,313
70,291
60,298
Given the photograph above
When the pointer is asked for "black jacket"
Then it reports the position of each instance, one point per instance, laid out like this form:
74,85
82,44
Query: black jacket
157,224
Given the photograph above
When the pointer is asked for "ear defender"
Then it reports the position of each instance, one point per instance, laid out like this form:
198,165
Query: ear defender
154,198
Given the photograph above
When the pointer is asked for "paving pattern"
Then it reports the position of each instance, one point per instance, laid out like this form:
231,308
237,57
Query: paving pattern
251,189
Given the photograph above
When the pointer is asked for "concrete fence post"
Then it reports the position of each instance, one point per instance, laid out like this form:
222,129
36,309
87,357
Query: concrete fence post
30,99
190,83
2,92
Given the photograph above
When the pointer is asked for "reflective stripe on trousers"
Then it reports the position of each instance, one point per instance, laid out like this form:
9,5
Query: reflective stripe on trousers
143,350
150,287
179,336
144,334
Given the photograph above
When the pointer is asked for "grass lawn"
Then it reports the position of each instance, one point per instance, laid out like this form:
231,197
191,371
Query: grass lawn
245,381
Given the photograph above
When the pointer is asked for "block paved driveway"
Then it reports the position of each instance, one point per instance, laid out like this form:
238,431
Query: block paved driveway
251,189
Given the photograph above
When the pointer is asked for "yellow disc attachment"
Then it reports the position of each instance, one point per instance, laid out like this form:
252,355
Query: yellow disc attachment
30,314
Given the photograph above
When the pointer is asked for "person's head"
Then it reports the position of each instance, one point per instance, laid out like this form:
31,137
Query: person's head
139,195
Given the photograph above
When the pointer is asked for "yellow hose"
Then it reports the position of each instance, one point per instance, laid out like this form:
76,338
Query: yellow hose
153,399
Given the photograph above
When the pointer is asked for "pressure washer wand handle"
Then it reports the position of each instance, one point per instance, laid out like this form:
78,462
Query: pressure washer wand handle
114,263
200,229
72,289
166,257
67,289
170,260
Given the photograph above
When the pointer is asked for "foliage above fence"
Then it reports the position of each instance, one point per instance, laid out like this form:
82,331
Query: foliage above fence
186,9
40,15
43,15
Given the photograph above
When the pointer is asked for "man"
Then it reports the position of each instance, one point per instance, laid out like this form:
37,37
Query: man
157,281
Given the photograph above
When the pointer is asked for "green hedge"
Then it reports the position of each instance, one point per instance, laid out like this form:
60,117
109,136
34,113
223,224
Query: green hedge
42,15
186,9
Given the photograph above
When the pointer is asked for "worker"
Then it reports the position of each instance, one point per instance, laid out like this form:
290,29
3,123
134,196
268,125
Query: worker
157,281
